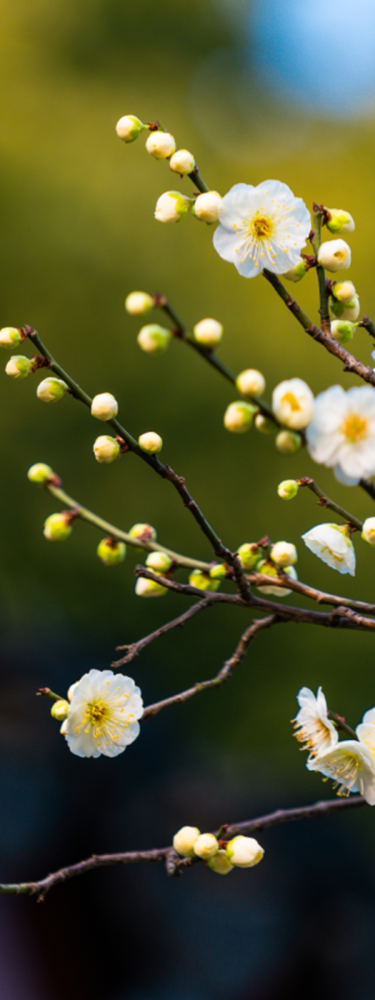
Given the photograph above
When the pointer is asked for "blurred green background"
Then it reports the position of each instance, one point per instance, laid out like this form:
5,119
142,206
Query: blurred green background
78,234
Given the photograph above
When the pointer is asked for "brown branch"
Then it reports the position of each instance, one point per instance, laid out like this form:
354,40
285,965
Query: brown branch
167,854
368,486
320,596
325,502
135,648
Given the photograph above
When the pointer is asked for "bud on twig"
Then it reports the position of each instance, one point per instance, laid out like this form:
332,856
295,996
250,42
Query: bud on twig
184,840
111,551
149,588
19,366
206,846
343,330
249,554
106,449
129,128
60,709
208,332
150,442
244,852
335,255
172,206
51,389
203,581
159,562
10,337
145,533
251,382
287,442
284,554
207,206
182,162
340,221
154,339
220,864
40,473
104,406
138,303
58,527
161,145
368,530
287,489
239,417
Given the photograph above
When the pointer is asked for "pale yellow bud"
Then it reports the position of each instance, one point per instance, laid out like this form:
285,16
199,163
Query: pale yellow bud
10,337
161,145
149,588
182,162
106,449
159,562
19,366
172,206
244,852
207,206
203,581
287,489
150,442
346,310
335,255
59,709
104,406
138,303
220,864
184,840
51,389
154,339
287,442
208,332
284,554
344,291
251,382
368,530
206,846
129,128
239,417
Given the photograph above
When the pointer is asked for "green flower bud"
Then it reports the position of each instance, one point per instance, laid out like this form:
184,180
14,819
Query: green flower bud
57,527
145,533
287,442
202,580
219,571
19,367
343,330
208,332
149,588
346,310
161,145
264,424
249,554
59,709
239,417
129,128
104,406
244,852
40,473
159,562
220,864
138,303
182,162
150,442
111,551
206,846
172,206
298,272
106,449
251,382
184,840
287,489
340,222
10,337
51,389
154,338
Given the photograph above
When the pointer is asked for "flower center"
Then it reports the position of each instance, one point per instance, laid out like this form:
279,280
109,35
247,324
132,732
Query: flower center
261,227
354,428
291,399
96,711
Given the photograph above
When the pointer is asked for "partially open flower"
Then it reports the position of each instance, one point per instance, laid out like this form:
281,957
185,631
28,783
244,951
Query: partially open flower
312,726
129,128
335,255
244,852
332,544
293,403
161,145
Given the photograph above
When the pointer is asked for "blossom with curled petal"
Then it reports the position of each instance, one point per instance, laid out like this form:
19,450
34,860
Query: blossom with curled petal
331,543
102,715
261,227
351,766
342,431
312,726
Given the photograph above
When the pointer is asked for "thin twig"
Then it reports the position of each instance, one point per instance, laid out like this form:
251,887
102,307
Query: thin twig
342,724
318,212
368,486
325,501
135,648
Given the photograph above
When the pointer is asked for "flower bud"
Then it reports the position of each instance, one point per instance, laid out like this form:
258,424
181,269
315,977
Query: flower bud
343,330
203,581
138,303
264,424
106,449
51,389
206,846
57,527
244,852
293,403
219,571
207,206
297,272
343,291
287,489
150,442
208,332
287,442
129,128
335,255
239,416
145,532
346,310
340,222
161,145
59,709
182,162
284,554
10,337
249,554
40,473
111,551
153,338
159,562
71,690
251,382
149,588
184,840
172,206
368,530
104,406
268,569
19,366
220,864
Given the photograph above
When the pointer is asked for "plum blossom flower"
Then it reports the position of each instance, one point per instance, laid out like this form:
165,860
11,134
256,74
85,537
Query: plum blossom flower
342,430
293,403
331,544
261,227
312,726
351,765
102,715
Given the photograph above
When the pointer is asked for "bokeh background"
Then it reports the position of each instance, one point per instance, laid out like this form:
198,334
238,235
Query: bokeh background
273,88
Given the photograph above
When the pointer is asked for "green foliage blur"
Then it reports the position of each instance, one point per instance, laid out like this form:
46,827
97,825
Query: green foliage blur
78,234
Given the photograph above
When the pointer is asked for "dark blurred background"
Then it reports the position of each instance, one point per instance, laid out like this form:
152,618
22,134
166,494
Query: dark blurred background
276,88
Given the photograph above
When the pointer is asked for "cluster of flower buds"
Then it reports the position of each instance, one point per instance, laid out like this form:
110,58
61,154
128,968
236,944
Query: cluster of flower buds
204,581
269,560
221,856
345,303
161,564
292,406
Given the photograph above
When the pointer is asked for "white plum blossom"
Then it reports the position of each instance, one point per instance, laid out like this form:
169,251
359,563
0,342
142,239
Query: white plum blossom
342,430
351,765
103,714
335,255
368,530
293,403
330,542
312,726
262,227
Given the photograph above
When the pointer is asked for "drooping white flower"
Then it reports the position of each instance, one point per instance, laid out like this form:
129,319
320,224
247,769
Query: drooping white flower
103,713
262,227
351,765
312,726
293,403
330,542
342,430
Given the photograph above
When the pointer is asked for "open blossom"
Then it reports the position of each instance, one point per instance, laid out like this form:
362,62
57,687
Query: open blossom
331,544
351,765
103,713
312,726
261,227
342,431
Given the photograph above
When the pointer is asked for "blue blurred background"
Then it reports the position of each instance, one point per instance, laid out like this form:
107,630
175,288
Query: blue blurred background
273,89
